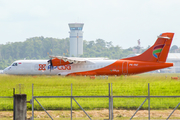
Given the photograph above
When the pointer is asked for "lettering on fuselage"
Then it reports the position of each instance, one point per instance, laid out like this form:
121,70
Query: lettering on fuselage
133,64
114,70
64,67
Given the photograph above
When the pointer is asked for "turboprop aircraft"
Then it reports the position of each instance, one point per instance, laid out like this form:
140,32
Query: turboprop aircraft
152,59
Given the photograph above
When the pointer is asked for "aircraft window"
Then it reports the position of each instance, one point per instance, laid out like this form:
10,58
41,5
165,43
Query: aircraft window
14,64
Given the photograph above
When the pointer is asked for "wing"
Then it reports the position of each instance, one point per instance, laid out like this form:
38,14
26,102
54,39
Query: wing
61,60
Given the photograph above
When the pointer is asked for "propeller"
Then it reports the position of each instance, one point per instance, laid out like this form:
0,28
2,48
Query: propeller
50,61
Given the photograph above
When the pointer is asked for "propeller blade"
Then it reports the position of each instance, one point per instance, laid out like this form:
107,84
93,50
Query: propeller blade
50,64
50,61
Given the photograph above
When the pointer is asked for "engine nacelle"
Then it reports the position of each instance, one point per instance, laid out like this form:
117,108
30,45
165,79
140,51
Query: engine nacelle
59,62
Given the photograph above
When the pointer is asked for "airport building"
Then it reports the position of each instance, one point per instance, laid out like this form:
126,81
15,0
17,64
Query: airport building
76,39
175,59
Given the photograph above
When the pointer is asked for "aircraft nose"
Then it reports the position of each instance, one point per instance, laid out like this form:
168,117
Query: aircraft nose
6,70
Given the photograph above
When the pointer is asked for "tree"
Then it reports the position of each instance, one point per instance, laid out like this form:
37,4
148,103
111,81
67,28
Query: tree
37,48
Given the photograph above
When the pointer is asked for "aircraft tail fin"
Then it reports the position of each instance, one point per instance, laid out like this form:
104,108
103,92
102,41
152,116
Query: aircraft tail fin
158,52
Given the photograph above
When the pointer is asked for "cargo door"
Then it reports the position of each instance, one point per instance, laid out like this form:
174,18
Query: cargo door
125,68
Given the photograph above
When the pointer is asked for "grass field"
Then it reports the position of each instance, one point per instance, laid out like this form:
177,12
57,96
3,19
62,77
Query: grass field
160,84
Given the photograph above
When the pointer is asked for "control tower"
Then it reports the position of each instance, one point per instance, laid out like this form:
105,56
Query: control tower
76,39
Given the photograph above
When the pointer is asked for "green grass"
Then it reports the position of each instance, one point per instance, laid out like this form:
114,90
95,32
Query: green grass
160,84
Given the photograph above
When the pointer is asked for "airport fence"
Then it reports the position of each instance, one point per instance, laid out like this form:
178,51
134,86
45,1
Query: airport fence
9,97
110,96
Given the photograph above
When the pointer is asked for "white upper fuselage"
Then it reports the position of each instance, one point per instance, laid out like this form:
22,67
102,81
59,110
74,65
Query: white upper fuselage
40,67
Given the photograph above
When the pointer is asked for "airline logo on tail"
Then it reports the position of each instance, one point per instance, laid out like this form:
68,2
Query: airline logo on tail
157,50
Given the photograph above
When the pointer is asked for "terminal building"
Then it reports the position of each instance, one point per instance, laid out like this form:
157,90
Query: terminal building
76,39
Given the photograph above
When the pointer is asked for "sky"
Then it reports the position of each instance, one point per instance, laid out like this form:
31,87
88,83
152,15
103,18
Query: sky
121,21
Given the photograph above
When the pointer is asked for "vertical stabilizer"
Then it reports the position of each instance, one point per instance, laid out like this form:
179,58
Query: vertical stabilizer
158,52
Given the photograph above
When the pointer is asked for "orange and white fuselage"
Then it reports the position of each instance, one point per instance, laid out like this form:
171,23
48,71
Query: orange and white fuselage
152,59
91,67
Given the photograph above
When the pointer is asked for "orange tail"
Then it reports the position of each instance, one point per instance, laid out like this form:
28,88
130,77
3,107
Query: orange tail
158,52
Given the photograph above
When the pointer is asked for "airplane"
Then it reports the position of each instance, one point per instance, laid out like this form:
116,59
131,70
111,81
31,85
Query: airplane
153,58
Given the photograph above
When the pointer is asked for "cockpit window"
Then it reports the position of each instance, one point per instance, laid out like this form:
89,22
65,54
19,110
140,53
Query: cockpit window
14,64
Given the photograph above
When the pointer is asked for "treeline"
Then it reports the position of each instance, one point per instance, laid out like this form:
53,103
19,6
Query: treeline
101,48
38,47
33,48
